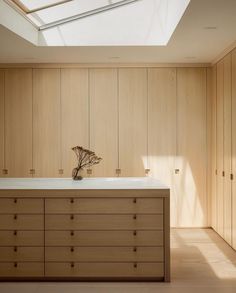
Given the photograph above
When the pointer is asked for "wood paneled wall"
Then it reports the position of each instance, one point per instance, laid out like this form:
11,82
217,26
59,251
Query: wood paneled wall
136,119
224,148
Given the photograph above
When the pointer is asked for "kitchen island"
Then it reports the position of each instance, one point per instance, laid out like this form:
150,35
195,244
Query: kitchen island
114,229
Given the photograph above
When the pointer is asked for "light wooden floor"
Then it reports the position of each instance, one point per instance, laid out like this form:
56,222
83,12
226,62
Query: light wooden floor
201,263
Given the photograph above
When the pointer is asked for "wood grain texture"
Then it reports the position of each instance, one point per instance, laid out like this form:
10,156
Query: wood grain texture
162,130
234,149
213,203
74,115
191,147
46,122
227,150
2,122
220,147
104,120
18,119
133,121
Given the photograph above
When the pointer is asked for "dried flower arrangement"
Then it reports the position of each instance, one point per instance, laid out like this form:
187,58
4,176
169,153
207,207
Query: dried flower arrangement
86,158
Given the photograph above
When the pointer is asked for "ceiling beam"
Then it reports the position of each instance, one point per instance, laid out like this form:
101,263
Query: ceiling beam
87,14
48,6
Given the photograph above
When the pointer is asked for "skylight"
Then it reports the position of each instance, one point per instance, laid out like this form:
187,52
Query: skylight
104,22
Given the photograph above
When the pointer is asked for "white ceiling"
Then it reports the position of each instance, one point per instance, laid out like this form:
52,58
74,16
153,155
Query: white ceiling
189,40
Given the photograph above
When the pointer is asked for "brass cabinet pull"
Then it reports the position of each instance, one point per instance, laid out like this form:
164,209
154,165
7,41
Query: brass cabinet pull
147,171
134,217
15,248
15,200
176,171
134,249
72,249
72,200
134,200
72,264
231,176
5,171
15,264
223,173
15,217
135,233
72,233
135,265
72,217
118,171
15,232
32,171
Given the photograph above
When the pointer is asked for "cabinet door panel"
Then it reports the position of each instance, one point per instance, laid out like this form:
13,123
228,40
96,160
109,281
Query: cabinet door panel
227,148
18,119
162,130
133,121
74,115
234,149
104,120
220,147
2,90
191,147
46,122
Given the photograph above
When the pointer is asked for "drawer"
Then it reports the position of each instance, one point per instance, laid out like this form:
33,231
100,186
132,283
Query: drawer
104,206
21,222
105,269
21,238
104,238
104,254
21,206
22,254
103,222
21,269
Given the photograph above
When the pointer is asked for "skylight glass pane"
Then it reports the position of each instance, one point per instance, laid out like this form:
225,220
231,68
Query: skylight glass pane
142,23
68,9
34,4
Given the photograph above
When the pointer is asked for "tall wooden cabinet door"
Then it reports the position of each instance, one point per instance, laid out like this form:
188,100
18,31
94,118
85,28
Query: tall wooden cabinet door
2,90
74,115
46,122
234,149
18,119
133,121
220,147
104,120
191,147
213,202
162,129
227,150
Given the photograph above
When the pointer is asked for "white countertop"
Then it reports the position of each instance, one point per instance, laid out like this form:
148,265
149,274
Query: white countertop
85,183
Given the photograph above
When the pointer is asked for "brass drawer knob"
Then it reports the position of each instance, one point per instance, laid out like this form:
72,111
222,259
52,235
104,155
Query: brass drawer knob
134,217
223,173
15,264
118,171
15,200
135,249
72,249
72,200
15,217
15,248
72,233
72,217
135,233
231,176
72,265
176,171
15,233
5,171
134,200
32,171
135,265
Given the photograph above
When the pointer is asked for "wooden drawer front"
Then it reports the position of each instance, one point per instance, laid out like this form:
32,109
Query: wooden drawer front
21,238
21,206
104,238
21,222
103,222
104,254
104,206
21,269
22,254
105,269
